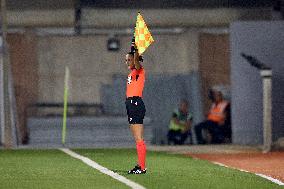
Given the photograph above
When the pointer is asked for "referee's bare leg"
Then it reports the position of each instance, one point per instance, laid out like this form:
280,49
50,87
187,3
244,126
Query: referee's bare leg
137,131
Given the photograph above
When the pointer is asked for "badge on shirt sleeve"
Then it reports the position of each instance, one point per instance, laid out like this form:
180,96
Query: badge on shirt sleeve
129,79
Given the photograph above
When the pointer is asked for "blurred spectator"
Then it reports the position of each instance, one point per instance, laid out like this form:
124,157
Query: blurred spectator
217,127
180,125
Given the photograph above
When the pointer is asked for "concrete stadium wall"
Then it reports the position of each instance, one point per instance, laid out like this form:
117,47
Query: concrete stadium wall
118,18
171,17
41,18
265,41
92,65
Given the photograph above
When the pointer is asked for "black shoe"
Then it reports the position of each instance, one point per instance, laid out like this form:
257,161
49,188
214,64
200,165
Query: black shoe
137,170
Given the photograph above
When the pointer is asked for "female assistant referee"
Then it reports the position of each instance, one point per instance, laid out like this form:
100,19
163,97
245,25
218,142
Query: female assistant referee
135,106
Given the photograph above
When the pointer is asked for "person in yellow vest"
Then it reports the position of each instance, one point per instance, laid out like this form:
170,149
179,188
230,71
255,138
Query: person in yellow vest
180,124
215,124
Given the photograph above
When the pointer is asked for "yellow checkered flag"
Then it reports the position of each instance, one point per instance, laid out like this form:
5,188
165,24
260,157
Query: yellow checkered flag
143,37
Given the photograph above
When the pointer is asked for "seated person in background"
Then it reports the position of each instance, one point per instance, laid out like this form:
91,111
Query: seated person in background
216,123
227,130
180,124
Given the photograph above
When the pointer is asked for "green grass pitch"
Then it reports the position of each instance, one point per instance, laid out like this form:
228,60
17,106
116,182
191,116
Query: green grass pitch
28,169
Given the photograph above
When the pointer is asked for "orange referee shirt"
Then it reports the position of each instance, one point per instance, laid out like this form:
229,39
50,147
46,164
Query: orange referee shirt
135,83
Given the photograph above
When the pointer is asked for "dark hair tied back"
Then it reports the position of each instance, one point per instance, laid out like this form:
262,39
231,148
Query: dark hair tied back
140,56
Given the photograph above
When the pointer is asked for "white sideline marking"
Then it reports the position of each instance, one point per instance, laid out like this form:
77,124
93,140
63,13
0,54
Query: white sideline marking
102,169
276,181
271,179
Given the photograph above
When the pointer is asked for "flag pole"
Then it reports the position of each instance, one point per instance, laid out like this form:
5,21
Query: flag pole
66,81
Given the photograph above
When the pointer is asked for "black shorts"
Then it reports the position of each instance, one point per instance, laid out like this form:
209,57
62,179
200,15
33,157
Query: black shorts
135,110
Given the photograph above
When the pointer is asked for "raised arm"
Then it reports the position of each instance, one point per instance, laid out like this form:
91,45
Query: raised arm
136,60
136,55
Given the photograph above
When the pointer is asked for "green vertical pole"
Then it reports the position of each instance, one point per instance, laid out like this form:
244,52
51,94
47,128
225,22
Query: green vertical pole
66,81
